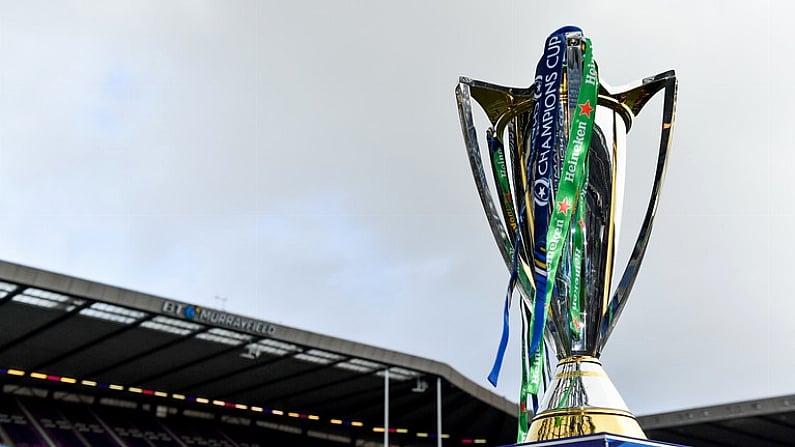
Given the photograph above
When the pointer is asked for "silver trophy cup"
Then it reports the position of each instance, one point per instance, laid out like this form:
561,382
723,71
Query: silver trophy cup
578,396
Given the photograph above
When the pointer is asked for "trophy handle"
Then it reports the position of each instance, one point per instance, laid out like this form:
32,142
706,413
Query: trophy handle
496,101
632,101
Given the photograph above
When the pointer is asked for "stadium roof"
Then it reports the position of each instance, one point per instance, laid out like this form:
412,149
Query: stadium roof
760,423
64,331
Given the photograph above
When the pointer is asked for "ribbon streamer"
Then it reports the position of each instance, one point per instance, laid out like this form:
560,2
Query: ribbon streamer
569,190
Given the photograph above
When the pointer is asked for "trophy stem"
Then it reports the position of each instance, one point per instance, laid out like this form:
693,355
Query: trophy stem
582,400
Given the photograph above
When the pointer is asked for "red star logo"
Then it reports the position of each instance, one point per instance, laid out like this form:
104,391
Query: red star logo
586,109
576,323
522,407
564,206
581,223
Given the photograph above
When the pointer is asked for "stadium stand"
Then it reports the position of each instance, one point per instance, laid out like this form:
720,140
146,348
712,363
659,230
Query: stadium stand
84,364
121,423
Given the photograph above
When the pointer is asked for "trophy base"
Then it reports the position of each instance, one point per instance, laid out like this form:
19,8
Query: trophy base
581,400
600,440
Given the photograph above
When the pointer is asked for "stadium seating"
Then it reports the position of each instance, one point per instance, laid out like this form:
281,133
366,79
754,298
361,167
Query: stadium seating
28,421
87,425
53,422
17,426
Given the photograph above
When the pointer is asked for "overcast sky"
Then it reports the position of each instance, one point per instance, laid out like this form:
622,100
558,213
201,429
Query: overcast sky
303,160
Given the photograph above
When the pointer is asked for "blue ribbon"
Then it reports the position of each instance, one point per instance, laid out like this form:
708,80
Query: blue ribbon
544,141
494,375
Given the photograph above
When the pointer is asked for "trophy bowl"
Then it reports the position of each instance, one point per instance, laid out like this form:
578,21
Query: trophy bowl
557,152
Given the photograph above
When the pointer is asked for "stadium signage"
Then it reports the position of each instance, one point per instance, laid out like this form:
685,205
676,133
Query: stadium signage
201,315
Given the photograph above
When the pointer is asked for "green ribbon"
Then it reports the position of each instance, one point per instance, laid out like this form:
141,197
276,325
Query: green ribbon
570,184
500,171
524,392
519,272
577,265
523,272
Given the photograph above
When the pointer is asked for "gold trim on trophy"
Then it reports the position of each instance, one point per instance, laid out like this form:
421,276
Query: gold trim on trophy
574,422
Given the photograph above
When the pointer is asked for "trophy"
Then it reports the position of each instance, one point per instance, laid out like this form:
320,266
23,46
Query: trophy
554,205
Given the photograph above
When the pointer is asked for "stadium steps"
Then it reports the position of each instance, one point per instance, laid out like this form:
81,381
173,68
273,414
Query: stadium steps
22,428
138,429
56,425
197,435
